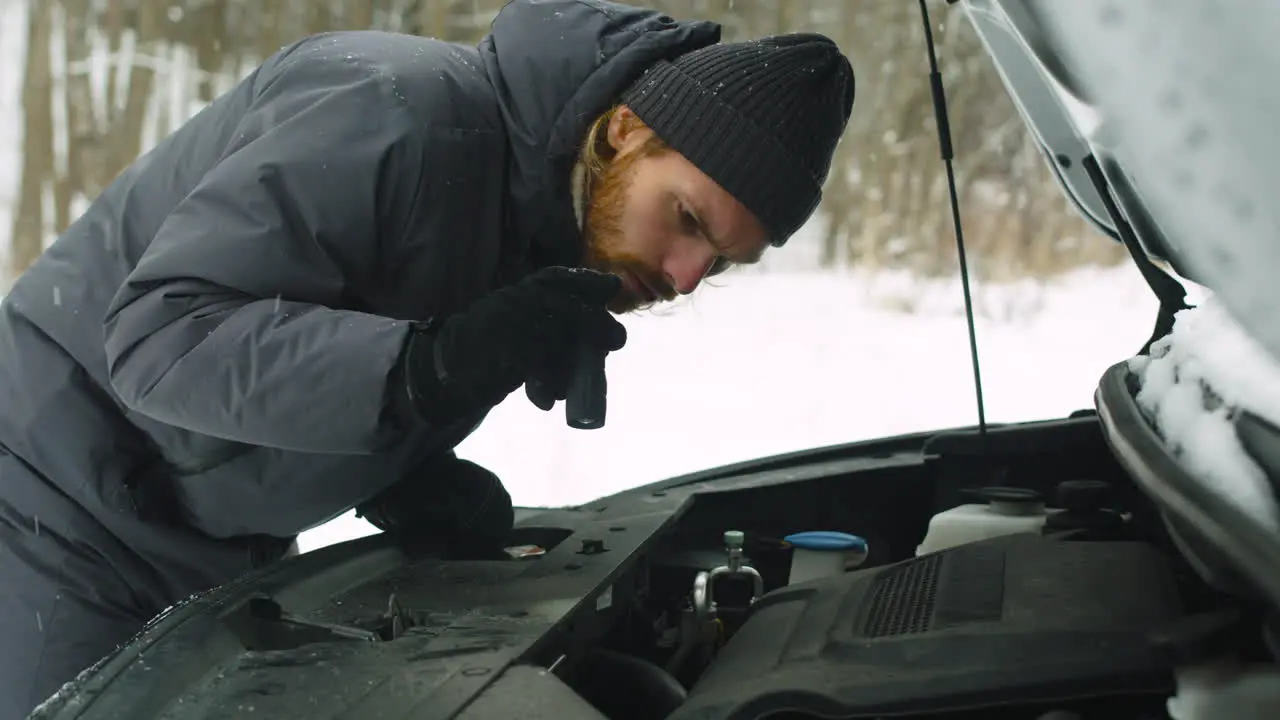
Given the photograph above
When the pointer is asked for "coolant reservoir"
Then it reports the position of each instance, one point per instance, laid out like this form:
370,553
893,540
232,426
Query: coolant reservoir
1006,511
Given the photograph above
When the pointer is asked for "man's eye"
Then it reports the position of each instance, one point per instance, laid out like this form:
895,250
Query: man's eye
689,223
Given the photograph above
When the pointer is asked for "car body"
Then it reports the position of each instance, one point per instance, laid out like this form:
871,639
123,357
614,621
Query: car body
1144,571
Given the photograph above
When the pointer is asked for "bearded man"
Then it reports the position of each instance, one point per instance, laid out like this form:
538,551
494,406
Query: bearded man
303,299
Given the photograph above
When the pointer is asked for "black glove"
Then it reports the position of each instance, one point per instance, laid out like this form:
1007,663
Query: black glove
448,502
527,331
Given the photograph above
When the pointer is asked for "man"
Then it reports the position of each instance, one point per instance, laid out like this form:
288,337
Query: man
304,298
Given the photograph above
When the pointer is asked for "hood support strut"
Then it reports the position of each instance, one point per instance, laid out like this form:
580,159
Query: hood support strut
947,151
1171,294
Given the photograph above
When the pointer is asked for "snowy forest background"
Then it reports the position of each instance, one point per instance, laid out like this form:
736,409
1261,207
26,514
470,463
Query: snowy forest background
854,330
103,79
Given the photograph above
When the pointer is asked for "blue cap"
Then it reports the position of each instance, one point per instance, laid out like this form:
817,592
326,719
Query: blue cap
826,540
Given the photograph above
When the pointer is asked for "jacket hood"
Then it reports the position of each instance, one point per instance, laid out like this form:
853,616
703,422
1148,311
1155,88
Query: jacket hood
555,65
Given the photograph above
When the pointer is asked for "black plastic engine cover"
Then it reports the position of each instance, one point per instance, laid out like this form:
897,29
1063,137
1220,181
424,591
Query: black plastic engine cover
1022,618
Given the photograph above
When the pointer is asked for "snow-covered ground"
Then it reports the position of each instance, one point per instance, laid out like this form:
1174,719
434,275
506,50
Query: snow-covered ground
768,363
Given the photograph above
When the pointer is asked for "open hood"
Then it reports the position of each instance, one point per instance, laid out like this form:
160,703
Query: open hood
1176,103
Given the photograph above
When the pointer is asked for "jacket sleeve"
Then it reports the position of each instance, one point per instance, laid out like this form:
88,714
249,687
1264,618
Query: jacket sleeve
229,325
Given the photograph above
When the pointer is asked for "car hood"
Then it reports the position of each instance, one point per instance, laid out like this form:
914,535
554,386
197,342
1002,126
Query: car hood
1176,101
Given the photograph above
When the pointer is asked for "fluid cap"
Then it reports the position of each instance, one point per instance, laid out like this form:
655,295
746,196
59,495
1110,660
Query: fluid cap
1009,500
827,540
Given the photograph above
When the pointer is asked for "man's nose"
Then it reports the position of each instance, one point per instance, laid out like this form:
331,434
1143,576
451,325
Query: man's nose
687,264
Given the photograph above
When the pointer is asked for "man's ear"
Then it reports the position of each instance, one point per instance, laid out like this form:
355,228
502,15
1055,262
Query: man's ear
626,130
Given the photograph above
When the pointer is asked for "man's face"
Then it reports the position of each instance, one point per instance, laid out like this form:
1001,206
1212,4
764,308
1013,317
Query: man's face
660,223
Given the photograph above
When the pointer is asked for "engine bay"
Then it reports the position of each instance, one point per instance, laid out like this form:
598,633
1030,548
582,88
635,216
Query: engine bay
1019,573
1053,600
1086,618
1062,598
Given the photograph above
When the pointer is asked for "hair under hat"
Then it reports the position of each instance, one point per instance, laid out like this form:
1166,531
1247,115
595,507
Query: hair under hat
762,118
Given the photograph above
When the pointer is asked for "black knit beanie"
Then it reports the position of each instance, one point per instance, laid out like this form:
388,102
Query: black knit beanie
761,118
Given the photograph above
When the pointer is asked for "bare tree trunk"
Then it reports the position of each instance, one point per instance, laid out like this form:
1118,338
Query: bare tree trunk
77,101
209,25
27,240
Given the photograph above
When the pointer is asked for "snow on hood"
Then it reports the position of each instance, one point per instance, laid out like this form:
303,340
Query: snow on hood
1208,350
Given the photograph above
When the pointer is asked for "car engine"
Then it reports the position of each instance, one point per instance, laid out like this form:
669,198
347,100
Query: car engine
1062,612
